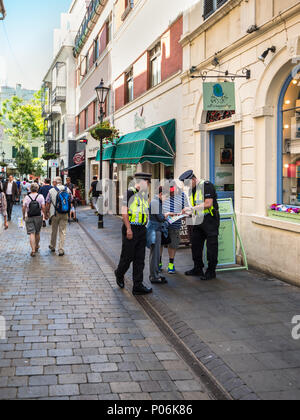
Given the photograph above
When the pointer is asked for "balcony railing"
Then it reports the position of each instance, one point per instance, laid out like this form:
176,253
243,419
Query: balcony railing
88,23
52,147
59,95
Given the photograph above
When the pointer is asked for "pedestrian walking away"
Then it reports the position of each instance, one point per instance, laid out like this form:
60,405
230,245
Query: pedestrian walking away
205,210
58,205
11,192
135,213
3,209
33,208
25,189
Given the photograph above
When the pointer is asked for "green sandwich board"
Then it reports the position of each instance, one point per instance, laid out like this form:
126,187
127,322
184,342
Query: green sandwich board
228,237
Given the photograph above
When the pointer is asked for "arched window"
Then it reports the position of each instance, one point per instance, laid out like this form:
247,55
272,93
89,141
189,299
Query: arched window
289,143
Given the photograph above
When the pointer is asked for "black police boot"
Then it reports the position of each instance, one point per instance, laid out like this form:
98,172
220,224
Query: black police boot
141,290
210,275
120,280
195,272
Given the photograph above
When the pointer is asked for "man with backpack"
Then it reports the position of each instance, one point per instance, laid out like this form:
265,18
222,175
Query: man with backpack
33,207
59,204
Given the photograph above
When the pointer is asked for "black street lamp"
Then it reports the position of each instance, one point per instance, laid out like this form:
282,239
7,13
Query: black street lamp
3,160
48,145
102,93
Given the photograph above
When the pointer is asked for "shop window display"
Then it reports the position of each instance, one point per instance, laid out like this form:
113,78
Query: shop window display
291,145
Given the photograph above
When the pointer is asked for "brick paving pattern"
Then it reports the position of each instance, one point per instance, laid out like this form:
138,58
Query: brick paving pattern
239,326
72,334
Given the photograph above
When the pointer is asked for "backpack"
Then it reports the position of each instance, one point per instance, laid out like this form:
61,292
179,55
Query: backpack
63,201
34,207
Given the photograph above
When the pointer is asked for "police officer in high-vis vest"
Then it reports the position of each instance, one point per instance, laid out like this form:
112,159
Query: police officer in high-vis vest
205,210
135,213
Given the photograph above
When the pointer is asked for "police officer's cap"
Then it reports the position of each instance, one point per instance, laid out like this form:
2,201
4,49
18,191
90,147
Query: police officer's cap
144,176
186,176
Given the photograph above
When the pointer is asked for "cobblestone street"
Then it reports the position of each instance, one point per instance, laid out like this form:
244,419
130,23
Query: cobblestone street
72,334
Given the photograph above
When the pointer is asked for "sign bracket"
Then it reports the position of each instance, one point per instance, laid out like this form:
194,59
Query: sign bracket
220,74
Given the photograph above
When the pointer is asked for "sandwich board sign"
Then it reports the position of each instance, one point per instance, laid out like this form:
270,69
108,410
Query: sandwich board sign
228,238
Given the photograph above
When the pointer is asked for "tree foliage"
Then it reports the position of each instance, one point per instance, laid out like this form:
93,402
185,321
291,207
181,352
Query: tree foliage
24,162
22,121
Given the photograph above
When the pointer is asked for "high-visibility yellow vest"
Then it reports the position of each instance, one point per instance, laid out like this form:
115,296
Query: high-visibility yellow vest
138,210
197,200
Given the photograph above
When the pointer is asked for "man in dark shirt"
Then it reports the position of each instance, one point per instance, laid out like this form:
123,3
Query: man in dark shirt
205,209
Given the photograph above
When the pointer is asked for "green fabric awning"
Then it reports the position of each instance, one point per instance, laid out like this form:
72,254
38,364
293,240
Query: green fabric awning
155,145
108,152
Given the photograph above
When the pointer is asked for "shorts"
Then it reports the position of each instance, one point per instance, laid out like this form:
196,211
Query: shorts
34,225
175,239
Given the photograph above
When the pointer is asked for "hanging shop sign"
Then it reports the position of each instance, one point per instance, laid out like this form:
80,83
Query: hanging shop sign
219,96
53,164
79,158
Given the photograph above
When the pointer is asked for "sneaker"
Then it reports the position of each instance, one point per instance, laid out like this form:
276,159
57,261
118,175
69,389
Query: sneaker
51,249
44,224
141,290
171,269
160,280
61,254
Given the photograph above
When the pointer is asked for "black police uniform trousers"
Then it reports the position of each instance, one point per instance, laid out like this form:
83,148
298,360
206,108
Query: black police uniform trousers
134,252
208,232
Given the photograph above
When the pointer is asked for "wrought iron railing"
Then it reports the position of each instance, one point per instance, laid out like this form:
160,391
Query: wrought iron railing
88,23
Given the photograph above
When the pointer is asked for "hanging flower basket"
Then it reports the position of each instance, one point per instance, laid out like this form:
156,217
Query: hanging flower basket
49,156
100,133
105,131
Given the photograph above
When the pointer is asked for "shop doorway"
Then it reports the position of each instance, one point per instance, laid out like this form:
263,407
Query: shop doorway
222,162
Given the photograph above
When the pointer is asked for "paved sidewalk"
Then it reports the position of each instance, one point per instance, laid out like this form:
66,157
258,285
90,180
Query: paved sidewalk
72,334
244,318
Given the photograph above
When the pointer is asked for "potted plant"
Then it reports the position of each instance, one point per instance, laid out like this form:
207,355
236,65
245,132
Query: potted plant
82,192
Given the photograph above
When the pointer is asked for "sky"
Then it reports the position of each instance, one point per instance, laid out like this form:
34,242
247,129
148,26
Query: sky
26,40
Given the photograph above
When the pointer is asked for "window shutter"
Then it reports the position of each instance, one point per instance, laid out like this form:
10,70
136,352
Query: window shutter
208,8
220,3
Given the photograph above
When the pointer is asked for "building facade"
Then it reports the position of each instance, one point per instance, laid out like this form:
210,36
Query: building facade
250,152
143,74
59,95
7,150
